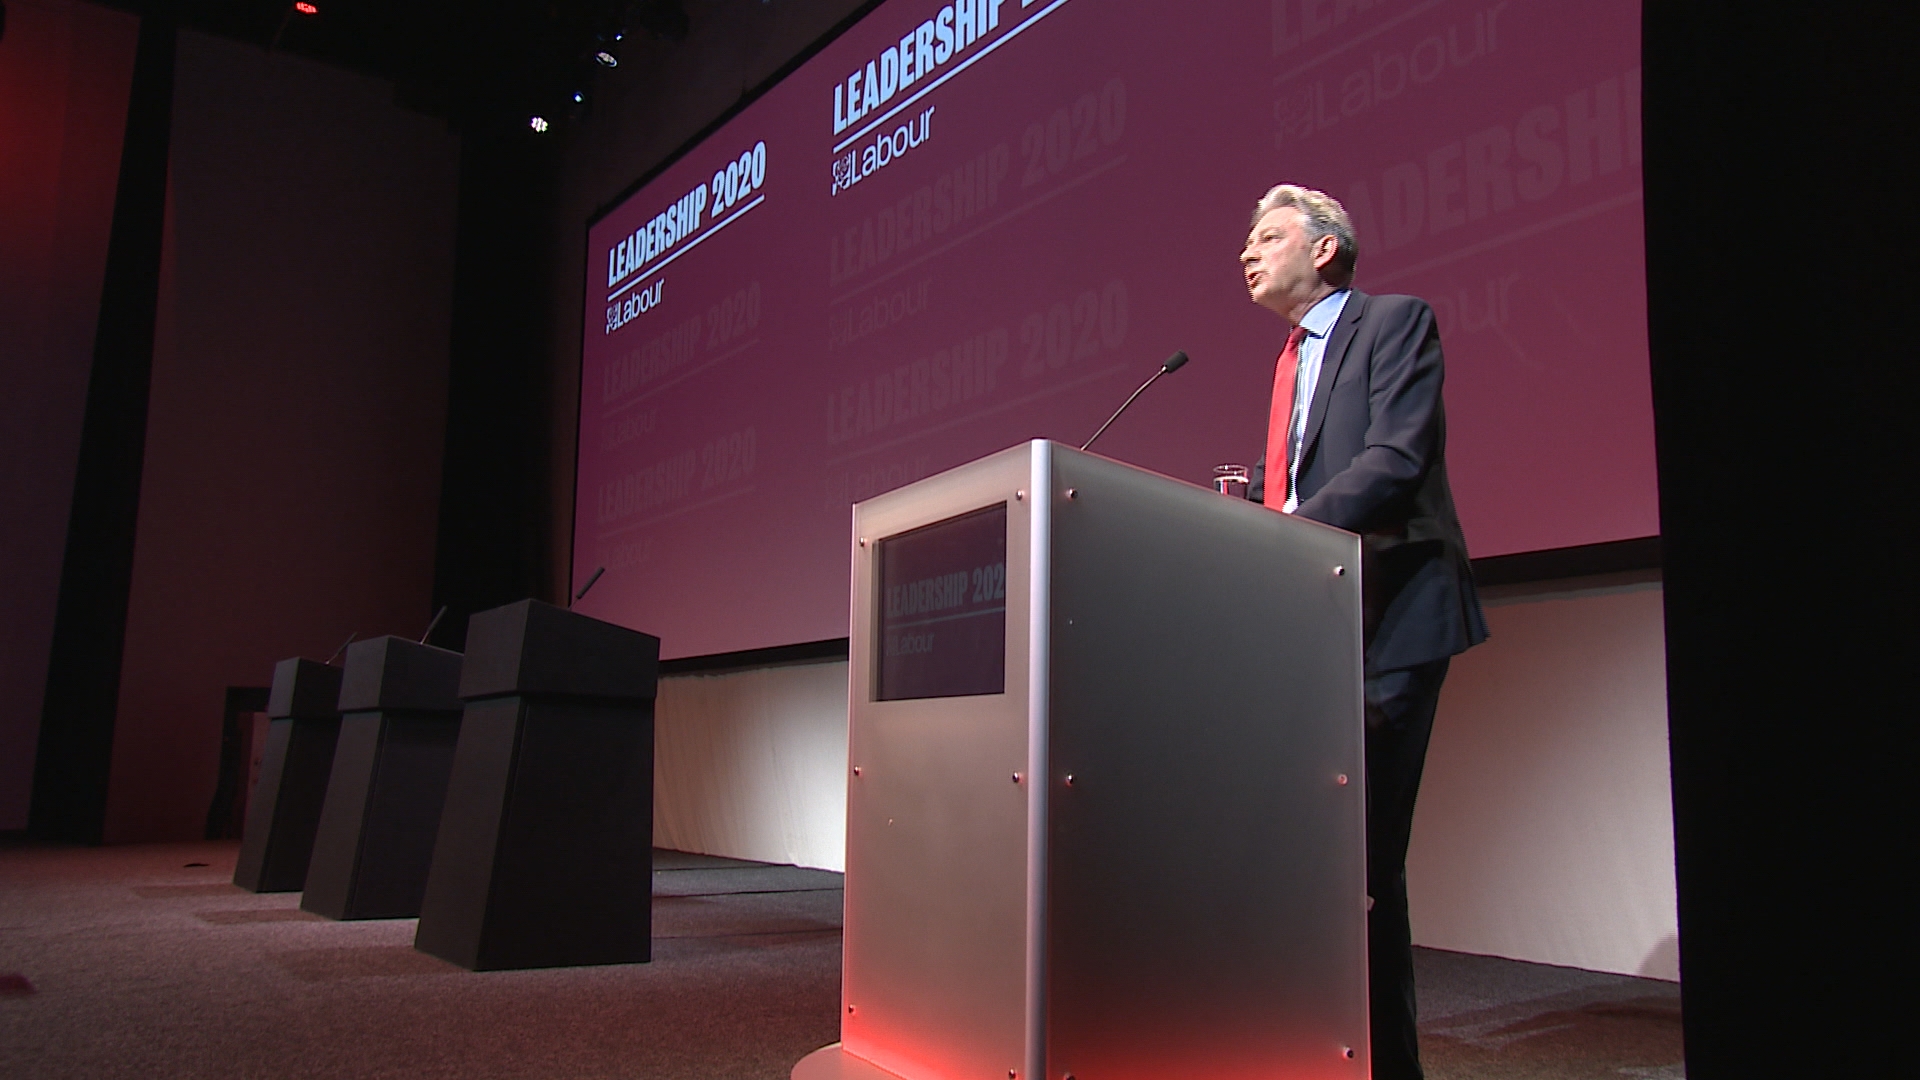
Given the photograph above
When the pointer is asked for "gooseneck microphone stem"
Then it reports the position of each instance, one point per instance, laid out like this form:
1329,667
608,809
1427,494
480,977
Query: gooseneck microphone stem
581,595
437,616
342,648
1172,365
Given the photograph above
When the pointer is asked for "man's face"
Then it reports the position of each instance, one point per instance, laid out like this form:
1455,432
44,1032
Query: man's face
1282,266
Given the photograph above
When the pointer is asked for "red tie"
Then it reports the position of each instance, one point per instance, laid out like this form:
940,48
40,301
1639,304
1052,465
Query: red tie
1280,419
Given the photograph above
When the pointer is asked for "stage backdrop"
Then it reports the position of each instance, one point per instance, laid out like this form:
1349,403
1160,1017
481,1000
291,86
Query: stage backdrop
960,226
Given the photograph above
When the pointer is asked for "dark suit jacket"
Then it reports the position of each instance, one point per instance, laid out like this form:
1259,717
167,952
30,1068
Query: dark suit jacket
1373,461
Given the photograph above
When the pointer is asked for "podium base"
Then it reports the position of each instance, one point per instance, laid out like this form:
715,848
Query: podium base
833,1063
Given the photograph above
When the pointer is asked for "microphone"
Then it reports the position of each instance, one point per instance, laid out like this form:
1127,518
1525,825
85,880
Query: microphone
437,616
1174,363
342,648
581,595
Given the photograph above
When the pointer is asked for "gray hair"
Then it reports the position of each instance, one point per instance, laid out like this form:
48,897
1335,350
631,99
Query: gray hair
1324,217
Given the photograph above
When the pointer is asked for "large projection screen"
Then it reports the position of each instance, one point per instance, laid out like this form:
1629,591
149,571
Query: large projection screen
959,226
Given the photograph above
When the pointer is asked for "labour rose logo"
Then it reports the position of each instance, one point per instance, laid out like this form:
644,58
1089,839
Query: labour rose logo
844,168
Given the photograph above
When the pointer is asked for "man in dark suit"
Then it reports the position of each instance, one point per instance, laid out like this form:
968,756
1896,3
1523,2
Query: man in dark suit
1357,439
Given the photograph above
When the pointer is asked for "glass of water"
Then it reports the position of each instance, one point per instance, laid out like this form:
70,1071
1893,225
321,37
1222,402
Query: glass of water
1231,480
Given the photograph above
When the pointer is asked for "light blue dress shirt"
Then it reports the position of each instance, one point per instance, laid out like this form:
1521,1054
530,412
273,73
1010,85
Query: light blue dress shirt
1318,323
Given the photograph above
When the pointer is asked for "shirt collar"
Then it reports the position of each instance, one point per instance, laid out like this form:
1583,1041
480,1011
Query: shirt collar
1320,318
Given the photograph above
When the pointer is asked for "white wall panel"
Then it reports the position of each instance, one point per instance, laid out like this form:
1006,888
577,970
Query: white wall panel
753,764
1544,830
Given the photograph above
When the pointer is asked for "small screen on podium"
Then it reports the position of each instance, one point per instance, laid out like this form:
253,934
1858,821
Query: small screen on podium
942,626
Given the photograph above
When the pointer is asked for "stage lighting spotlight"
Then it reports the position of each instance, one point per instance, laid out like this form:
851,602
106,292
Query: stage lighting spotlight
305,8
538,123
606,59
578,97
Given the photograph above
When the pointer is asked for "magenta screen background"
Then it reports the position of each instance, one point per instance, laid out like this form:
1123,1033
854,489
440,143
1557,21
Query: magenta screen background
716,486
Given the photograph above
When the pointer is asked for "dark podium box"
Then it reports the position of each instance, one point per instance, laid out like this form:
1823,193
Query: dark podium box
545,851
399,720
303,724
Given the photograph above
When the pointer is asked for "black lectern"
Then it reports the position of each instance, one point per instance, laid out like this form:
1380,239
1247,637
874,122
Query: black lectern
399,719
545,851
303,724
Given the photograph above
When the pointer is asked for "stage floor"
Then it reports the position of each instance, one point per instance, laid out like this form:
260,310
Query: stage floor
135,962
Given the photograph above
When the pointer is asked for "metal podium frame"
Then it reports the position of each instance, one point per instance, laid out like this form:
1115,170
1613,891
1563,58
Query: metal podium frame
1146,856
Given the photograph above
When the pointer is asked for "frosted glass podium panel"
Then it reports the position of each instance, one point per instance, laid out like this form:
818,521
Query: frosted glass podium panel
1105,812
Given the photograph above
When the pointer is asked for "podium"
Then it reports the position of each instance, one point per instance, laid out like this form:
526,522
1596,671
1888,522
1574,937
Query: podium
303,723
399,718
544,856
1105,802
